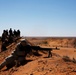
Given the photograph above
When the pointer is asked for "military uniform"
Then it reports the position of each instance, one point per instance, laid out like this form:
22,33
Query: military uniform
18,54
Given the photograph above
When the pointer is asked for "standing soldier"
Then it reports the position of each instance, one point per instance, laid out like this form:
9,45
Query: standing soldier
15,33
10,32
4,40
4,36
4,45
7,32
18,33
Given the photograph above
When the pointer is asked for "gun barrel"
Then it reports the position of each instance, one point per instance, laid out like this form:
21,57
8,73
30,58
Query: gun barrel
40,48
48,49
45,49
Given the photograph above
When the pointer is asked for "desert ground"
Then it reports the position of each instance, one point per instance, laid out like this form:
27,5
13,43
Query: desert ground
63,61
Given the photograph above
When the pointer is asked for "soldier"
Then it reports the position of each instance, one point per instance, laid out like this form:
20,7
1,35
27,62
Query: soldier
10,32
10,39
18,33
18,55
4,45
4,36
7,32
15,33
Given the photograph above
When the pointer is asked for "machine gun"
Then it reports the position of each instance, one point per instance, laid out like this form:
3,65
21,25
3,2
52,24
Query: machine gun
45,49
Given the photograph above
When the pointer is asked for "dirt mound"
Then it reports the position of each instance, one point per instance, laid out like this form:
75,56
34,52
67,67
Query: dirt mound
41,65
47,66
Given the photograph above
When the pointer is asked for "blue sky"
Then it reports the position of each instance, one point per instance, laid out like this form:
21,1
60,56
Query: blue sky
39,17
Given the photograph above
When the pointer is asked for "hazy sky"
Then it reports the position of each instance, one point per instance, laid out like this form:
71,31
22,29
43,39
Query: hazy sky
39,17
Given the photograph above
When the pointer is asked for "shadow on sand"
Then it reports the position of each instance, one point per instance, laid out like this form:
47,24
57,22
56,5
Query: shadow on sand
17,65
37,54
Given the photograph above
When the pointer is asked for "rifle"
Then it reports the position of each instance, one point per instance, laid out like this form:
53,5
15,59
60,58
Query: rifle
45,49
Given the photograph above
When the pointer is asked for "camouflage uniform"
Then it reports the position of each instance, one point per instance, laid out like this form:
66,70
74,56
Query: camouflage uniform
18,54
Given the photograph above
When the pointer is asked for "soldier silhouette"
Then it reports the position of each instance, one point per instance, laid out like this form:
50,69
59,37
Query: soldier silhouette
18,55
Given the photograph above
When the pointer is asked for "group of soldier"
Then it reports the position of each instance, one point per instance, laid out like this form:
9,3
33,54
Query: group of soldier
8,37
23,48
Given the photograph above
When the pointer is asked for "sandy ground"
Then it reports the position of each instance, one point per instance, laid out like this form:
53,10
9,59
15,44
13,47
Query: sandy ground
41,65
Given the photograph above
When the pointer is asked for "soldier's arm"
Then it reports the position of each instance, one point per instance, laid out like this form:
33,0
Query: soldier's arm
18,52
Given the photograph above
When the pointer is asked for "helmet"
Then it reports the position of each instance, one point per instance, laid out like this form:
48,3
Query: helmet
23,40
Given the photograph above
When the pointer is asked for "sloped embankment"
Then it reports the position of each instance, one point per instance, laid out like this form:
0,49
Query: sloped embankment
40,65
47,66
